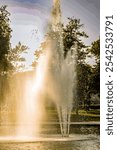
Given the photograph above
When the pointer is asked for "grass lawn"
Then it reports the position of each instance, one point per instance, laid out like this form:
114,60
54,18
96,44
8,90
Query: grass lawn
83,115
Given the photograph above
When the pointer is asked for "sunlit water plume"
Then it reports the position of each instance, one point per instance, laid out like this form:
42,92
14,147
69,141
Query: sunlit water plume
53,78
60,71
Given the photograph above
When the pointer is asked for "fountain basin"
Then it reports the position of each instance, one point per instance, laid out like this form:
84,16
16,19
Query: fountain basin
47,138
51,142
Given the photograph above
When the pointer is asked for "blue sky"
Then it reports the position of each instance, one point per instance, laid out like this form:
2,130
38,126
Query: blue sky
29,19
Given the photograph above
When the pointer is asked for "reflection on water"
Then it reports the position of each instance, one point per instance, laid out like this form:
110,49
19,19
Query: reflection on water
82,142
71,145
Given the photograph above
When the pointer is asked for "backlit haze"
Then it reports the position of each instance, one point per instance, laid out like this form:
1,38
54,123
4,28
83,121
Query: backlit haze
29,20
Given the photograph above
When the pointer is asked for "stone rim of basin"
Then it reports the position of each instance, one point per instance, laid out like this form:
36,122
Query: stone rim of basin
47,138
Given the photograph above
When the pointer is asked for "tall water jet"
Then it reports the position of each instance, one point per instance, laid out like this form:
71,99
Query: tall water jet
61,72
29,108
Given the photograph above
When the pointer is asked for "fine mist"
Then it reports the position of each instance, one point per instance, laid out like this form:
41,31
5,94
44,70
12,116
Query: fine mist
54,77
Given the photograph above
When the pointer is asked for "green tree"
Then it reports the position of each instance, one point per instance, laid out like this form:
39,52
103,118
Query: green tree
82,87
10,58
16,58
72,39
95,50
72,36
38,53
5,35
95,78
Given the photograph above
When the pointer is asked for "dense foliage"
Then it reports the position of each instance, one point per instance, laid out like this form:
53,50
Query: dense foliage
5,35
10,58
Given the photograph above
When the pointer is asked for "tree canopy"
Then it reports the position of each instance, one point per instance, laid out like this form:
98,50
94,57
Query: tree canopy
16,58
5,35
10,58
95,78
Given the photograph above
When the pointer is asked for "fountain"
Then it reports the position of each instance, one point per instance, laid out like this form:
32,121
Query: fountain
61,70
53,78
